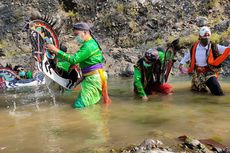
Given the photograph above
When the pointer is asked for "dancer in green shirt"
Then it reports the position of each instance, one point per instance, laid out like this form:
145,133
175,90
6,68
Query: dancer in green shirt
147,74
90,59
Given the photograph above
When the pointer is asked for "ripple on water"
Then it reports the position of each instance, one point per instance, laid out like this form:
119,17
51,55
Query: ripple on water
59,128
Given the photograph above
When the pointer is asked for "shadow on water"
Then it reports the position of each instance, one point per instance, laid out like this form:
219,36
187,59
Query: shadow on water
56,127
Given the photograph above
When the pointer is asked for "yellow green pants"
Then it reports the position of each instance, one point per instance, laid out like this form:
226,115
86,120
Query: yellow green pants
91,91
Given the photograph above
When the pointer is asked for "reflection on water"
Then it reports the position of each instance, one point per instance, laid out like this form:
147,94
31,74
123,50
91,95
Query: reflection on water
32,122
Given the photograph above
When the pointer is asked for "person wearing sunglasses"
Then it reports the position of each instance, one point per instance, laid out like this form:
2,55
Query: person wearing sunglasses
22,73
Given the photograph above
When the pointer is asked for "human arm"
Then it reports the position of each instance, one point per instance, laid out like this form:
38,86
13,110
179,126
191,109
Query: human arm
138,84
184,60
83,53
29,75
225,53
161,56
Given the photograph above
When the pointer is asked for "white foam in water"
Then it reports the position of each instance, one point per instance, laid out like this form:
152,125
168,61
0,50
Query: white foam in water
48,82
51,94
36,98
12,112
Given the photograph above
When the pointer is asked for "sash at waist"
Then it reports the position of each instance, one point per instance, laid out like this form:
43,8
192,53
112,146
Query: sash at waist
202,69
92,68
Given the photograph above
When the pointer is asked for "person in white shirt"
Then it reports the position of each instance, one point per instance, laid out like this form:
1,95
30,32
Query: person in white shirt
205,62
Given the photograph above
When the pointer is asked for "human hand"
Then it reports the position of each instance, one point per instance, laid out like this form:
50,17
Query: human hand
35,57
18,77
51,48
182,69
145,98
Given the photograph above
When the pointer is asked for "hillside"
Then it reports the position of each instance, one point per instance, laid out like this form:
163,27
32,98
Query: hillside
125,28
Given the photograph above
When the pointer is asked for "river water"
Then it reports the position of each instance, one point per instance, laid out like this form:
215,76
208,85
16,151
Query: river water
32,121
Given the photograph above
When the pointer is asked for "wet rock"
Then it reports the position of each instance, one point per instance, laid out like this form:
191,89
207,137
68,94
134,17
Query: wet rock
25,59
3,148
142,1
128,70
153,24
227,150
201,21
147,146
154,2
202,146
223,26
117,55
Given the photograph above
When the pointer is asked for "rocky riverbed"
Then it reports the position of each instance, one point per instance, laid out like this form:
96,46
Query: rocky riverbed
187,145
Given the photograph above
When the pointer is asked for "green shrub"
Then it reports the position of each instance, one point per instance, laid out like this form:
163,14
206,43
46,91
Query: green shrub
72,14
133,26
2,44
226,35
171,38
149,44
120,8
124,41
11,53
212,4
159,42
132,10
215,20
216,38
188,40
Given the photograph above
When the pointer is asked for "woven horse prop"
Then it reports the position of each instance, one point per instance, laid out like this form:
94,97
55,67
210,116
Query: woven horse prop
8,79
169,59
43,30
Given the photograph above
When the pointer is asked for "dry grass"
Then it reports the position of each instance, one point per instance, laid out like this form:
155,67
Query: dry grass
3,44
188,40
120,8
216,38
212,4
72,14
159,42
133,26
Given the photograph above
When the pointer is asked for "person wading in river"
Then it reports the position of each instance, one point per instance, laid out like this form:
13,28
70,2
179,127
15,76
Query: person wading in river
205,62
147,74
90,58
22,73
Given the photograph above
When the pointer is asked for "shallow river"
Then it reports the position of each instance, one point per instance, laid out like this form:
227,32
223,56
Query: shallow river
32,121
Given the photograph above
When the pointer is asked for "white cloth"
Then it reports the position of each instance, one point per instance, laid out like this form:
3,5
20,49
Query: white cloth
200,57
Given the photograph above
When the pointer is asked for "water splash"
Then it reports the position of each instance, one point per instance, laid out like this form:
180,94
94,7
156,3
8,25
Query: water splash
12,112
48,83
36,98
